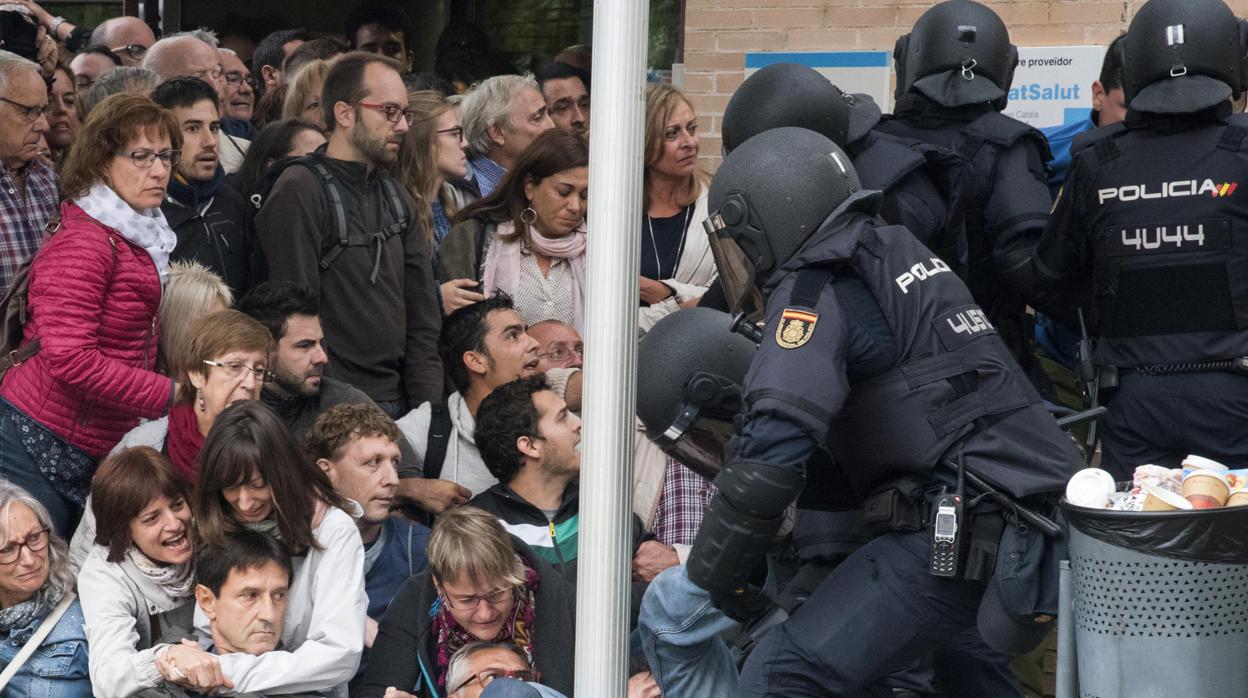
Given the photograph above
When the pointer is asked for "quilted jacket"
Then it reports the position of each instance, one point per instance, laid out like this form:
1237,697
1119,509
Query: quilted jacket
93,302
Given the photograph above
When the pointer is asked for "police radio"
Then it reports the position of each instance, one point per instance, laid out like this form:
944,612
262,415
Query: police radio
946,525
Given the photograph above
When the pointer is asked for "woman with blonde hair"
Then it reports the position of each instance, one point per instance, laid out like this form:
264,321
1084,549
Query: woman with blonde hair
676,262
193,292
303,94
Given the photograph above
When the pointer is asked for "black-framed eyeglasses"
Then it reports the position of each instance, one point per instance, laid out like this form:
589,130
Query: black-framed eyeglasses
486,677
34,542
392,112
234,369
29,112
134,51
456,132
562,354
470,603
235,77
143,159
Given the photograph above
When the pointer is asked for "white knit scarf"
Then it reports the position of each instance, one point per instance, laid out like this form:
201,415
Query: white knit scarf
147,229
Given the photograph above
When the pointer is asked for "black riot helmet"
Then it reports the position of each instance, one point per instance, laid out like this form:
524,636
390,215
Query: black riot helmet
768,197
1182,56
785,94
958,53
690,369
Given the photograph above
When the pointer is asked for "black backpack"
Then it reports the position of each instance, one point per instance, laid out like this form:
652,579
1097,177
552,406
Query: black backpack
333,248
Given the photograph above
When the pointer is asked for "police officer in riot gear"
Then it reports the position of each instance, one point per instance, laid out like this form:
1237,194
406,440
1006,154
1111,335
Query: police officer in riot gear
1150,232
954,71
918,180
873,349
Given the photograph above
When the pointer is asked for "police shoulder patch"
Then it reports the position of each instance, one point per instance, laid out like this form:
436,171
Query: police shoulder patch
795,328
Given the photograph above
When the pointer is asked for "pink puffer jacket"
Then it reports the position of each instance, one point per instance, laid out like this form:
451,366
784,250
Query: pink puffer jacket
94,312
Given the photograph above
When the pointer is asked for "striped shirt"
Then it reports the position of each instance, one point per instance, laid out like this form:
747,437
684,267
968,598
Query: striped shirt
487,173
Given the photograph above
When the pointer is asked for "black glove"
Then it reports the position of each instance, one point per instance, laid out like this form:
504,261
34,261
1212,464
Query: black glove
744,604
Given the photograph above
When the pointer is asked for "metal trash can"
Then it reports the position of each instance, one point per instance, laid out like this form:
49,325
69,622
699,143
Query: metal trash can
1150,624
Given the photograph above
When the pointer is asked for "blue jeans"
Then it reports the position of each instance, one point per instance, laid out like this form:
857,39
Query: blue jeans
680,631
877,613
18,467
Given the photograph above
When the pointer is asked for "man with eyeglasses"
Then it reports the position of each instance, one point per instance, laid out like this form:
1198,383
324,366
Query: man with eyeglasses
28,185
337,222
479,665
240,88
128,37
561,345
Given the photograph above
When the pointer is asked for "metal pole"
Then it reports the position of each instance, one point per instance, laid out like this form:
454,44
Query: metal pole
615,176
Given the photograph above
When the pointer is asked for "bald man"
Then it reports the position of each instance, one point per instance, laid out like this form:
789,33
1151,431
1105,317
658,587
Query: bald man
128,37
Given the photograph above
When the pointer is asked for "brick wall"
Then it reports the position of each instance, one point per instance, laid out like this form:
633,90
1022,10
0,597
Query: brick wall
719,32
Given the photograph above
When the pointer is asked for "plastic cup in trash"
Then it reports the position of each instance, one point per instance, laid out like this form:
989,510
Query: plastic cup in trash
1090,488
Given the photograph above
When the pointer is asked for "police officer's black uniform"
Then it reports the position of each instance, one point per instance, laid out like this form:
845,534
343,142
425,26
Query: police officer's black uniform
954,71
1151,232
918,181
874,348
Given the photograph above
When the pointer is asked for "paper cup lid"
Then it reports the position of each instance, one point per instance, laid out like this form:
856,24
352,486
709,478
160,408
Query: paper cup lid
1202,463
1175,500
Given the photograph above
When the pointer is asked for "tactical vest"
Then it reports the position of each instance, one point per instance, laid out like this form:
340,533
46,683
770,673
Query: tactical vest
980,143
884,162
1168,226
956,389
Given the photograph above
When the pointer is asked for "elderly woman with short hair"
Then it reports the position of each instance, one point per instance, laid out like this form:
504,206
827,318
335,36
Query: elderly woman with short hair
482,584
87,362
34,578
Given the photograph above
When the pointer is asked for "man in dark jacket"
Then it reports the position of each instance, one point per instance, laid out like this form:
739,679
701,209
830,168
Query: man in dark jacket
212,220
528,439
338,223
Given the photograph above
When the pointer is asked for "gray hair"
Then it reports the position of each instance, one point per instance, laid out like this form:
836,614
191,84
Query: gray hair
60,579
457,668
190,294
11,63
488,105
122,79
204,34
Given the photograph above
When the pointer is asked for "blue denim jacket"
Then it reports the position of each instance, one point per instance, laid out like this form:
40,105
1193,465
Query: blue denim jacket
58,669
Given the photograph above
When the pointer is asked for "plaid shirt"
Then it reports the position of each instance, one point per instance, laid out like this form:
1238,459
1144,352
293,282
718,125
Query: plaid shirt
22,218
682,503
487,173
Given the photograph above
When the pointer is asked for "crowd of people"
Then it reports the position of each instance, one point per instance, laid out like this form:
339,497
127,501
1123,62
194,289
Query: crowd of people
283,312
289,404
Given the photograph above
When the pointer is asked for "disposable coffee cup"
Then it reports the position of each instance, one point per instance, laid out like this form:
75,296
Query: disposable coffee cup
1238,498
1202,463
1206,489
1090,488
1162,499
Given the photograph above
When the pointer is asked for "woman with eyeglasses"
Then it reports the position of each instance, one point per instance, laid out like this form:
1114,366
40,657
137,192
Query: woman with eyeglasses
528,238
85,373
34,579
222,361
254,475
481,585
138,583
432,154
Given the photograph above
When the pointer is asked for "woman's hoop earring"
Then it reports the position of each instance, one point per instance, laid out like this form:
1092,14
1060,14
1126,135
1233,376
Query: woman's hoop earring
528,215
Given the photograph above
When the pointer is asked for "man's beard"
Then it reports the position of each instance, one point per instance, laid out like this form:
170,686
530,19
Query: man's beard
294,384
371,147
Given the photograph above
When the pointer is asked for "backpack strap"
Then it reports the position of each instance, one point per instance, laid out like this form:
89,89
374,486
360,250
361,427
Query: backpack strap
398,212
339,211
439,438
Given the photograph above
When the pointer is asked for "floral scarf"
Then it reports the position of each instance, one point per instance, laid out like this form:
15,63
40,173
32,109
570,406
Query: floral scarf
178,581
518,629
21,617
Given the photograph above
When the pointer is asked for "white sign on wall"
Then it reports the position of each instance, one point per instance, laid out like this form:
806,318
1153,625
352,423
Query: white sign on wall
867,72
1053,84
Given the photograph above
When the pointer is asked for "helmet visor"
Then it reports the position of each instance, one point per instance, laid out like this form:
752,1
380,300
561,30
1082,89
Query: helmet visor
736,271
698,442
